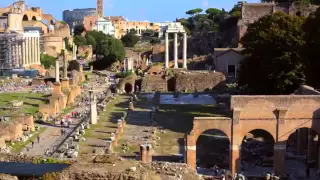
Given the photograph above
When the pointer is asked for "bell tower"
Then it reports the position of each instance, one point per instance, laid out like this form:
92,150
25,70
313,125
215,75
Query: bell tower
99,8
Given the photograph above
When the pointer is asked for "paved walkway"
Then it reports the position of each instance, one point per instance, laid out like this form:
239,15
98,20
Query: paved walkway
51,137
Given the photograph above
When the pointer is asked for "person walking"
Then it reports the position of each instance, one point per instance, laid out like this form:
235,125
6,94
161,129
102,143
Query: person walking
32,143
308,172
38,138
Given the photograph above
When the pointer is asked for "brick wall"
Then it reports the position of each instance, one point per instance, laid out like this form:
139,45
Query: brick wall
198,80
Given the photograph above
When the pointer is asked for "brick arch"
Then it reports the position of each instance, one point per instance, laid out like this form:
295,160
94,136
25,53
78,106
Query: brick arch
268,130
202,124
219,129
257,109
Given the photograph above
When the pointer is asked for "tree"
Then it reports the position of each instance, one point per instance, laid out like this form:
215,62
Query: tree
91,40
111,50
311,49
213,12
79,40
129,40
273,63
194,12
133,31
79,29
47,61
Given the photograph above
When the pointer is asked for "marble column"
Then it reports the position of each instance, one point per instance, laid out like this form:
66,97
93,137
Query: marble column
167,50
184,50
33,50
27,51
175,49
57,71
65,66
38,51
24,58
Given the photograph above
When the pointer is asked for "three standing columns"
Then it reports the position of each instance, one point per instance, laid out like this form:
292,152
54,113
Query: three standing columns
175,49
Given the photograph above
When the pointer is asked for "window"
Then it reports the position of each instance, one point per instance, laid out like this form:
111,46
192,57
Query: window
231,71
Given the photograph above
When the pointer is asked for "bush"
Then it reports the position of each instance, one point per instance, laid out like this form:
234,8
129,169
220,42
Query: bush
124,74
47,61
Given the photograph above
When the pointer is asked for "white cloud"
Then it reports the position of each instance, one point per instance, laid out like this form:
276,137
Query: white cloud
205,3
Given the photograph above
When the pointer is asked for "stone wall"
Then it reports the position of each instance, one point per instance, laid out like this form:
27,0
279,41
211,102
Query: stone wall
200,80
53,45
152,83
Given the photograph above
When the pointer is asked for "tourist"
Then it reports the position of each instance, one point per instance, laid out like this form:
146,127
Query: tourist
308,171
215,170
32,143
38,138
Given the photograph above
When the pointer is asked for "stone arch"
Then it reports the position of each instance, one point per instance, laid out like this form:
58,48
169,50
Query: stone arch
258,109
34,18
25,18
261,127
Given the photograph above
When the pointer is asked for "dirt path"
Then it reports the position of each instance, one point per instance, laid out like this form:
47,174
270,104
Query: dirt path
138,129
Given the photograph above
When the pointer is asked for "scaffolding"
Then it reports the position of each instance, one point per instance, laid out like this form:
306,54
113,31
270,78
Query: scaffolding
10,50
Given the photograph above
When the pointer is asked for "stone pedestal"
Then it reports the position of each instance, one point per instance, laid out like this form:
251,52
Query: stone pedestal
146,153
93,113
65,84
131,107
279,155
57,88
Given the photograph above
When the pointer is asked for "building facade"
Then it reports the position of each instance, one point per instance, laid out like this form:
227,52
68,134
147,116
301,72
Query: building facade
105,26
123,26
76,16
30,49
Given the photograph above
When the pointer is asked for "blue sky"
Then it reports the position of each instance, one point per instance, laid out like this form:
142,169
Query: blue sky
152,10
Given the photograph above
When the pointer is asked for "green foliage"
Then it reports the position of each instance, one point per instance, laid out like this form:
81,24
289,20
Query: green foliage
47,61
79,29
91,40
192,12
79,40
63,22
124,74
273,63
129,40
311,49
133,31
214,20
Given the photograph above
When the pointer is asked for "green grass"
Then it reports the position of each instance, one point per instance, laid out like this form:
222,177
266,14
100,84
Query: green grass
30,105
104,124
19,146
178,120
